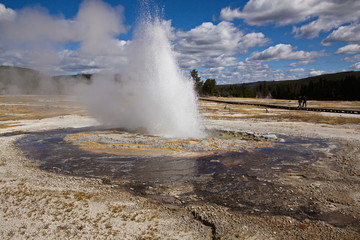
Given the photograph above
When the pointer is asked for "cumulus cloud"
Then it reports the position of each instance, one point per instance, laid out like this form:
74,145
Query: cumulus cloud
355,58
255,71
223,38
251,40
315,72
349,49
313,29
323,15
301,63
209,45
260,12
72,61
31,37
40,36
282,52
245,72
34,25
6,14
95,21
12,57
355,66
229,14
297,70
350,33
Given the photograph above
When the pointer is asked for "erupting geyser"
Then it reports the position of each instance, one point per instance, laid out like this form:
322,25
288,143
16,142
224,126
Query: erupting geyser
150,92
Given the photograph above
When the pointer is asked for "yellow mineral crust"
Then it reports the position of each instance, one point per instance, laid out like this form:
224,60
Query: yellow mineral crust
133,144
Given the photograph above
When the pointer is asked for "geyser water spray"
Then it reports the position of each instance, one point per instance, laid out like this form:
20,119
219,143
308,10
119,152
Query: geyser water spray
150,94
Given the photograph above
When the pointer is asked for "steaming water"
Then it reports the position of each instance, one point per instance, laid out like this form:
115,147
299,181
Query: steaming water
150,94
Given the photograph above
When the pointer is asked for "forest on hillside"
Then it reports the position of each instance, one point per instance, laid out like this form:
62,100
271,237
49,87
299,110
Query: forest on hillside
337,86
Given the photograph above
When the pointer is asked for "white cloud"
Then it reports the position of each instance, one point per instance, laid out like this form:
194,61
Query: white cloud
213,46
229,14
210,45
223,38
12,58
74,61
251,40
261,12
314,72
355,58
350,33
282,52
34,26
313,29
95,26
244,72
41,38
349,49
355,66
6,14
328,14
220,39
297,70
187,61
301,63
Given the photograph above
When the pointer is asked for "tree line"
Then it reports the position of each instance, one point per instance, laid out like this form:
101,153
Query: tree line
337,86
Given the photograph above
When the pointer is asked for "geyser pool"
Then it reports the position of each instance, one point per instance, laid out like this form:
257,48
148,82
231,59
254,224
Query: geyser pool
231,169
150,94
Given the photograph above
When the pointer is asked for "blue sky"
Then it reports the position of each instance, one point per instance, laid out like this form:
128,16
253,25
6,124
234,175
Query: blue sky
231,41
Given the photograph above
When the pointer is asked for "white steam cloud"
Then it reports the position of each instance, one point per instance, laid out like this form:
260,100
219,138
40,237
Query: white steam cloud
143,87
150,94
40,35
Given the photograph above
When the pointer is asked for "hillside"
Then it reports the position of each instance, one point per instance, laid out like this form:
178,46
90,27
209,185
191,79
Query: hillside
336,86
17,80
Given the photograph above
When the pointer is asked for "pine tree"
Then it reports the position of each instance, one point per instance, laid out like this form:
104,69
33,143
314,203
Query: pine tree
197,81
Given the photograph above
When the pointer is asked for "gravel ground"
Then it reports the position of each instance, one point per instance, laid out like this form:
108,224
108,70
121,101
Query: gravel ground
42,205
36,204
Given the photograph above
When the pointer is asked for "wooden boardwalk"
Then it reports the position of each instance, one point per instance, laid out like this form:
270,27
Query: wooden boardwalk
331,110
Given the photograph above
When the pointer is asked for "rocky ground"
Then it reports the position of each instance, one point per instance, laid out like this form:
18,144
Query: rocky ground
320,201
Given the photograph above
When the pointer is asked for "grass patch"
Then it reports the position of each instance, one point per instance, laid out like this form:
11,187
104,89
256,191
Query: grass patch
36,107
293,117
16,112
81,196
311,118
233,118
218,111
117,209
9,125
294,103
318,118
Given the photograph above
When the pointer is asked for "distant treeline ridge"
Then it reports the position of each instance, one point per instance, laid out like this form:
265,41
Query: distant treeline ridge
337,86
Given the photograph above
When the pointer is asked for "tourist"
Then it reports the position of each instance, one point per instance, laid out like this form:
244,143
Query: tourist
299,101
304,101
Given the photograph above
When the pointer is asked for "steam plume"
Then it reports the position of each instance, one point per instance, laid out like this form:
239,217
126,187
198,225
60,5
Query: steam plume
150,93
142,87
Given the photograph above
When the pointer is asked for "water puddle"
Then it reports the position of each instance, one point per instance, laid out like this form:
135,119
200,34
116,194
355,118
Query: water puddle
242,180
52,152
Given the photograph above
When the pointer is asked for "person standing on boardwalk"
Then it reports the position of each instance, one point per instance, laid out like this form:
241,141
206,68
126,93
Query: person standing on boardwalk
304,101
300,101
